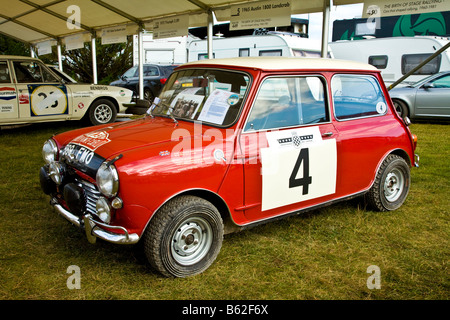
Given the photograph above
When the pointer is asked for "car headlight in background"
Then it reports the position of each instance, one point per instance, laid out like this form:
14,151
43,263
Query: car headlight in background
108,180
49,151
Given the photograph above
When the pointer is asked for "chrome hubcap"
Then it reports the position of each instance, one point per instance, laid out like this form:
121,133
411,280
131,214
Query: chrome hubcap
191,241
393,185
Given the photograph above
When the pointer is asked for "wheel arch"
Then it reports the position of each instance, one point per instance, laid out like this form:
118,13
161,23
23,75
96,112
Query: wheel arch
114,101
214,199
401,153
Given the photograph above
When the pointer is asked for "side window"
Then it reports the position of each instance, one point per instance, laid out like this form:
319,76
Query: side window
150,71
4,72
244,52
379,62
264,53
410,61
442,82
356,96
288,101
32,72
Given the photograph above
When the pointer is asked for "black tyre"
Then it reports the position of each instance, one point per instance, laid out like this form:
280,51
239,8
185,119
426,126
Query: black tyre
401,108
184,238
391,184
102,111
148,95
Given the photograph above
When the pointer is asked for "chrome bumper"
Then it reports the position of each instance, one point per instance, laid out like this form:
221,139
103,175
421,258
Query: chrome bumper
94,229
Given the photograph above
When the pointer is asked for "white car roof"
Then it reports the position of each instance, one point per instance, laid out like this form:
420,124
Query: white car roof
17,57
286,63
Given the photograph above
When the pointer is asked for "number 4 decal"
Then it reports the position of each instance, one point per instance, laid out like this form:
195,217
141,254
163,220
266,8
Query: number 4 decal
307,179
294,174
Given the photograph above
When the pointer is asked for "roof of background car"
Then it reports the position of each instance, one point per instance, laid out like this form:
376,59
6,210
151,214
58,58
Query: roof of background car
17,57
286,63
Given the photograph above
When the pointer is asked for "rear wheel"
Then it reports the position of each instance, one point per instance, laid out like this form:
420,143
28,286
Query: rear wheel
391,184
184,238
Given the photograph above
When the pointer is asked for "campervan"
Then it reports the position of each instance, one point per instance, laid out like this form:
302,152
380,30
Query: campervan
270,44
396,56
162,51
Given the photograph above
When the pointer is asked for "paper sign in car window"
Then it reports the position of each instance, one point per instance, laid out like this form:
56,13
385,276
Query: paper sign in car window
216,107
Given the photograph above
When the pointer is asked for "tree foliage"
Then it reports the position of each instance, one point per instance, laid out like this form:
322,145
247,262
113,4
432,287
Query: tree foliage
9,46
112,59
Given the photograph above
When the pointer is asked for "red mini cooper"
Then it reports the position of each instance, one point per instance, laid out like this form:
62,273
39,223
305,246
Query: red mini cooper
231,143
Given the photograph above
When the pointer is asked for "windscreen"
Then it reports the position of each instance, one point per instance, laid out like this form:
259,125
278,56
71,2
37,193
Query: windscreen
207,95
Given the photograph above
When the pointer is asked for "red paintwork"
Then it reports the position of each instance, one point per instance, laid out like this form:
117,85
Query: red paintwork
149,178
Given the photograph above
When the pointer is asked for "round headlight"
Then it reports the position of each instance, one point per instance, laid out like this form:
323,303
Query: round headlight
108,180
55,171
103,210
49,151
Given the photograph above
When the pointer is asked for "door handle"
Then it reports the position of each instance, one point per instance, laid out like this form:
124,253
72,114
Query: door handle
327,134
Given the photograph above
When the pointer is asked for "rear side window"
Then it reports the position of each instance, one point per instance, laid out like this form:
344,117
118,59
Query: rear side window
357,96
4,73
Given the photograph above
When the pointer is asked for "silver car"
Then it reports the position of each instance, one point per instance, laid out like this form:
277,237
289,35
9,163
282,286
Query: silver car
428,98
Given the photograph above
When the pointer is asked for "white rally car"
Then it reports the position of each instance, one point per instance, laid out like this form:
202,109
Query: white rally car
32,92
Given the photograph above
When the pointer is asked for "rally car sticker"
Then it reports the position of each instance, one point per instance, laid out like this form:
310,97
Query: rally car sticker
92,140
298,165
48,100
7,93
24,98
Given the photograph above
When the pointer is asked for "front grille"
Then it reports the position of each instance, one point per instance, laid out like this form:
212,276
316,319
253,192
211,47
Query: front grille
91,195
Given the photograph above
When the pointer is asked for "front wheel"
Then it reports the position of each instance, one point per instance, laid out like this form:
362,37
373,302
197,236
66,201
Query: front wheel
391,184
401,108
102,111
184,238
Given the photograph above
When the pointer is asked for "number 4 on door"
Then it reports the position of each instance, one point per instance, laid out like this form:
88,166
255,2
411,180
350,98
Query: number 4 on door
306,180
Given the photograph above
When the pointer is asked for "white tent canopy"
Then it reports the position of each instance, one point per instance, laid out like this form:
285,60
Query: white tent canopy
36,21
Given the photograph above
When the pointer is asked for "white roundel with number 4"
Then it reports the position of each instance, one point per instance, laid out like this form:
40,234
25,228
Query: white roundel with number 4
298,165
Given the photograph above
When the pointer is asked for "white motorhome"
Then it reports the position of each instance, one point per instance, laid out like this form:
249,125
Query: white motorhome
271,44
162,51
396,56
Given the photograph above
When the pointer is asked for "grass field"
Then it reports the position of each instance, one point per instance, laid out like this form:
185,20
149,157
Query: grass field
322,254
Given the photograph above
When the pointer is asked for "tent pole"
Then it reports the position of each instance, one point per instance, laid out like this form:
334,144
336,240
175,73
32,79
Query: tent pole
325,27
59,57
210,34
141,63
94,60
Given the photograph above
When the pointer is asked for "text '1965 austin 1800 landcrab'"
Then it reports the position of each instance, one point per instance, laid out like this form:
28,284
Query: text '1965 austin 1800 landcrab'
231,143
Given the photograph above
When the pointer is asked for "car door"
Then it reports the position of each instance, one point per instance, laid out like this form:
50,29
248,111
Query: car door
41,95
289,147
432,97
9,111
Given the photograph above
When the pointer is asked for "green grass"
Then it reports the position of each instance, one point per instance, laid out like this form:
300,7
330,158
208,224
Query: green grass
322,254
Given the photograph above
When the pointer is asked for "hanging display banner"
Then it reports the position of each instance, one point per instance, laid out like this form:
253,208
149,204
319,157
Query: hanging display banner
114,35
44,48
76,41
262,14
171,27
386,8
